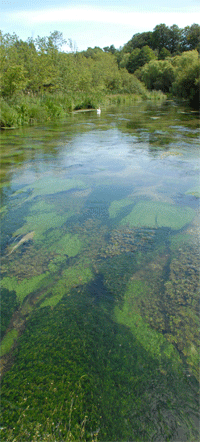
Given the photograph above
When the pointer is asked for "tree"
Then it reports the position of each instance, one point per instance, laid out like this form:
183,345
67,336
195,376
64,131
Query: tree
13,80
124,61
164,53
174,39
110,49
191,38
139,57
138,41
187,77
161,37
158,74
92,52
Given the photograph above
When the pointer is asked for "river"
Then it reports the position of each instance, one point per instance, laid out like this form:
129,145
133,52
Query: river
100,260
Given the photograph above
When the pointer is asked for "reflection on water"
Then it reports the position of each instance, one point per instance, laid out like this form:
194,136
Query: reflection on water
100,277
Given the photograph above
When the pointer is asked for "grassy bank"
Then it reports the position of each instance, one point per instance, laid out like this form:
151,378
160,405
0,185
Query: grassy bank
26,110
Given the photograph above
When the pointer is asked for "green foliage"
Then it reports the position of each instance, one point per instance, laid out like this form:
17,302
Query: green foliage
40,82
172,38
164,53
187,77
8,115
139,40
190,38
158,74
178,75
13,81
139,57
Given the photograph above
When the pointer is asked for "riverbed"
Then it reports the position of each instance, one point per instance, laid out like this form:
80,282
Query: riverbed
100,259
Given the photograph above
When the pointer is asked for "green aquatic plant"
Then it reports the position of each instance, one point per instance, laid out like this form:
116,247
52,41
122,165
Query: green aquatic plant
181,303
117,205
42,206
153,342
49,185
158,214
179,240
52,301
68,245
3,211
195,191
41,222
26,286
75,361
8,341
8,306
71,277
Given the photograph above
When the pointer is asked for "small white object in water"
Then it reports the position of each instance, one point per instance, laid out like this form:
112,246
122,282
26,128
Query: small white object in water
98,111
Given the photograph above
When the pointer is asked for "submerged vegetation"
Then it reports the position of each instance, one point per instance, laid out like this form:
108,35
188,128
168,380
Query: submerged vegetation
100,276
108,332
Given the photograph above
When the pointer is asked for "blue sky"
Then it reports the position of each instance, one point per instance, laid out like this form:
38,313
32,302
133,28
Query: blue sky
94,23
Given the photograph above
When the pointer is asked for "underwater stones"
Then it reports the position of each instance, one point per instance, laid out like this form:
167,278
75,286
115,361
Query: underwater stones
121,241
157,214
125,240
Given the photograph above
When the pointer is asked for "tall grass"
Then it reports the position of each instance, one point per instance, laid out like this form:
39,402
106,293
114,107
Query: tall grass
24,110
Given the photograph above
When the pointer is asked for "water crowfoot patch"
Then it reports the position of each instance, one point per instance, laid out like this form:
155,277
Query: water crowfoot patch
100,278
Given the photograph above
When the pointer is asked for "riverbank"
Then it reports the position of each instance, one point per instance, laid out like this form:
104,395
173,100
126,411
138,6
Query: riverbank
27,110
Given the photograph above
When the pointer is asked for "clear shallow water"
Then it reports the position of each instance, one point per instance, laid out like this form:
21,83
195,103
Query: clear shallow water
100,275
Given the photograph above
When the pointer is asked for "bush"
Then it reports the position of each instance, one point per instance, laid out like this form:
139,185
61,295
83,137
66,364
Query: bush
187,77
8,115
158,74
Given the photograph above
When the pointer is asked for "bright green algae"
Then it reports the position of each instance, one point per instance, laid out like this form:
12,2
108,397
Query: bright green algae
26,286
52,185
71,277
69,245
157,214
116,206
8,341
152,341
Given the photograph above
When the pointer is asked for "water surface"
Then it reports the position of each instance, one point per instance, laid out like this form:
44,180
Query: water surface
100,276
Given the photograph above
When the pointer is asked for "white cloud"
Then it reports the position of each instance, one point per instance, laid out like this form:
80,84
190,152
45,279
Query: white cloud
143,20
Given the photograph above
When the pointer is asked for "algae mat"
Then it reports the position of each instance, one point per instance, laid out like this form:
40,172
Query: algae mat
153,214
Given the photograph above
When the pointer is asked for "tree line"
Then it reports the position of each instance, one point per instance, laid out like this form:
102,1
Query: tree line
37,73
165,59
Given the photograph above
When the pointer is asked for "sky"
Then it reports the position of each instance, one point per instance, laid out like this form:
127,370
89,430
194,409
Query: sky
90,23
